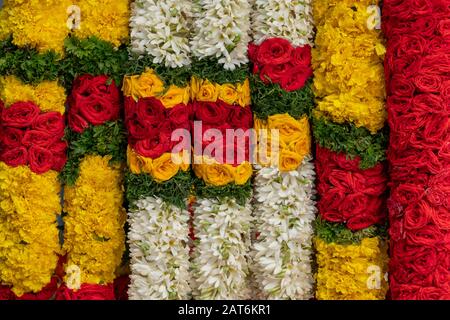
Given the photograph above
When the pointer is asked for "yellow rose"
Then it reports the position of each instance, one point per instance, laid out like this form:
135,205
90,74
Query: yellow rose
134,162
269,147
218,174
228,93
289,161
148,85
302,147
243,173
183,159
207,92
129,86
199,170
195,87
289,128
244,97
163,168
174,96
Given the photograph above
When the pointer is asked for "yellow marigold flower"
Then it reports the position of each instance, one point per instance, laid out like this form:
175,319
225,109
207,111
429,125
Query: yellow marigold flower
105,19
174,96
351,272
243,173
349,92
228,93
36,23
48,95
94,236
146,85
29,243
164,168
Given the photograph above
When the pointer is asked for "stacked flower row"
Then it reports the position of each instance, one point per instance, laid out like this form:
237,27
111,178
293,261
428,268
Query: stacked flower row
221,97
159,118
348,127
284,183
31,154
418,84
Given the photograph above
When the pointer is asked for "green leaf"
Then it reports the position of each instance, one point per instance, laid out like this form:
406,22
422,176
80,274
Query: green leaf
213,71
240,193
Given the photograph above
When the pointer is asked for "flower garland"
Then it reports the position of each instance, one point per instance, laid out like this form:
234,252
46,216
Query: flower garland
221,93
45,31
348,126
31,154
159,181
284,183
418,82
94,236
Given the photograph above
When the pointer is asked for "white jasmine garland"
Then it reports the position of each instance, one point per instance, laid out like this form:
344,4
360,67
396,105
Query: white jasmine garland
289,19
284,212
161,28
159,251
221,255
221,30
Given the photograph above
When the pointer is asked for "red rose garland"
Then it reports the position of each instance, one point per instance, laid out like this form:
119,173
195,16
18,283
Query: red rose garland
418,78
349,194
31,137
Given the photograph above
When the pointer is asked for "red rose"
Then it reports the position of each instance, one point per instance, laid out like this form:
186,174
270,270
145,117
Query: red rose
274,51
94,101
155,146
401,86
59,161
179,116
151,111
363,221
240,118
252,51
20,114
38,138
138,129
211,112
41,159
15,157
51,122
12,137
87,292
443,28
274,72
296,78
301,56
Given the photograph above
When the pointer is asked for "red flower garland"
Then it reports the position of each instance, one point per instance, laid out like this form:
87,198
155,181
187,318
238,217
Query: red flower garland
86,292
277,61
418,81
93,101
349,194
29,137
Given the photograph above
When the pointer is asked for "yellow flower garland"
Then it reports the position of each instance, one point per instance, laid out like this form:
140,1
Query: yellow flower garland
94,234
352,92
148,85
218,174
233,94
162,168
29,244
48,95
294,141
41,24
351,272
105,19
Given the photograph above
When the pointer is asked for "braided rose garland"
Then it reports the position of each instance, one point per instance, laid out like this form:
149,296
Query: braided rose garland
418,83
282,100
348,127
221,93
157,98
32,151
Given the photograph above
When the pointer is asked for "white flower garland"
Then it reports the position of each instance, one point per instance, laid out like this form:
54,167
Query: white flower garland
289,19
159,250
161,28
221,256
284,212
221,30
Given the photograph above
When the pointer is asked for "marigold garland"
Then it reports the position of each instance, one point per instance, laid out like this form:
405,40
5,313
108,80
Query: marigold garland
348,124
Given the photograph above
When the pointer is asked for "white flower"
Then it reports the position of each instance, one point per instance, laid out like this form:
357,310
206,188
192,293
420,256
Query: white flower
221,257
288,19
284,212
161,28
159,251
221,30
